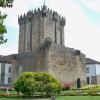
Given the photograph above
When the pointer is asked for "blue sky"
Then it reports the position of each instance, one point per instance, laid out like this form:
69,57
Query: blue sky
82,30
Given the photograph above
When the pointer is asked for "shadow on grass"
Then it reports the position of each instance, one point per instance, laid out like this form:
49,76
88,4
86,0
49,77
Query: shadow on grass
25,97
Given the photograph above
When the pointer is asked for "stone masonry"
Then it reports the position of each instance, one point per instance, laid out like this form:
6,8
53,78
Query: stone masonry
41,48
35,27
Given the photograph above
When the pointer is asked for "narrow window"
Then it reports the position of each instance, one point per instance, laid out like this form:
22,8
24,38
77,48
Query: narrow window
9,70
61,36
78,83
30,36
9,80
55,31
93,79
87,70
88,80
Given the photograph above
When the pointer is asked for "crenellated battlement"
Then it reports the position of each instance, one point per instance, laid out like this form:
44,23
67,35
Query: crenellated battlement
29,15
42,12
35,26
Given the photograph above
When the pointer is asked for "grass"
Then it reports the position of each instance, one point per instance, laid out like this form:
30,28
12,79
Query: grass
78,98
4,92
21,99
60,98
57,98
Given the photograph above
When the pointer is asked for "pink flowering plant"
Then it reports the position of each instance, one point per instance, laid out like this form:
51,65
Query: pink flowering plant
67,86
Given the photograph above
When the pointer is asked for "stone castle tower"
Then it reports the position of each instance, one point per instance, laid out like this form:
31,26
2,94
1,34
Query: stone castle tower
41,48
35,27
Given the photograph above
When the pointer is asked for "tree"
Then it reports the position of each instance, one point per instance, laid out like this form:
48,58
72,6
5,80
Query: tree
3,4
30,83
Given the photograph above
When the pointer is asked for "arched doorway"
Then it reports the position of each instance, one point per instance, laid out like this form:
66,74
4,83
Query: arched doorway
78,83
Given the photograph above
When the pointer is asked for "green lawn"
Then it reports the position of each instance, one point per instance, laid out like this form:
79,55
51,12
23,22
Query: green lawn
78,98
21,99
61,98
4,92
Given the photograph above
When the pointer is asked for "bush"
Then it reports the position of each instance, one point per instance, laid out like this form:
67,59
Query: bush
52,88
91,87
30,83
28,87
66,86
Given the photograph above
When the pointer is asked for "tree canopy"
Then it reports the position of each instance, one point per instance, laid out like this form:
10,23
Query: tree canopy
6,3
3,30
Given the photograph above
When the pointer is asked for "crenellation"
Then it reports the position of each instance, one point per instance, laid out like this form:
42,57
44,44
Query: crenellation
20,19
62,22
48,10
77,52
24,15
39,10
51,11
24,18
55,16
59,17
52,14
35,11
29,15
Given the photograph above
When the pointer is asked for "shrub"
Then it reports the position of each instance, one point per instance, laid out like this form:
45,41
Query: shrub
28,87
30,83
17,85
25,85
52,88
67,86
91,87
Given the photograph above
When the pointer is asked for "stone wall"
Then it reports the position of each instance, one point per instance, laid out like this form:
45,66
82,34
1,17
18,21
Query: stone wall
66,65
35,61
98,79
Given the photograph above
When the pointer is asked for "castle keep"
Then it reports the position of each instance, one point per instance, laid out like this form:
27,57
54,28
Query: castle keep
35,27
41,48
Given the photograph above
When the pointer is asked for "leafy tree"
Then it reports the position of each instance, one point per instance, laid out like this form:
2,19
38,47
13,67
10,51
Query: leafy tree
6,3
43,83
3,3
